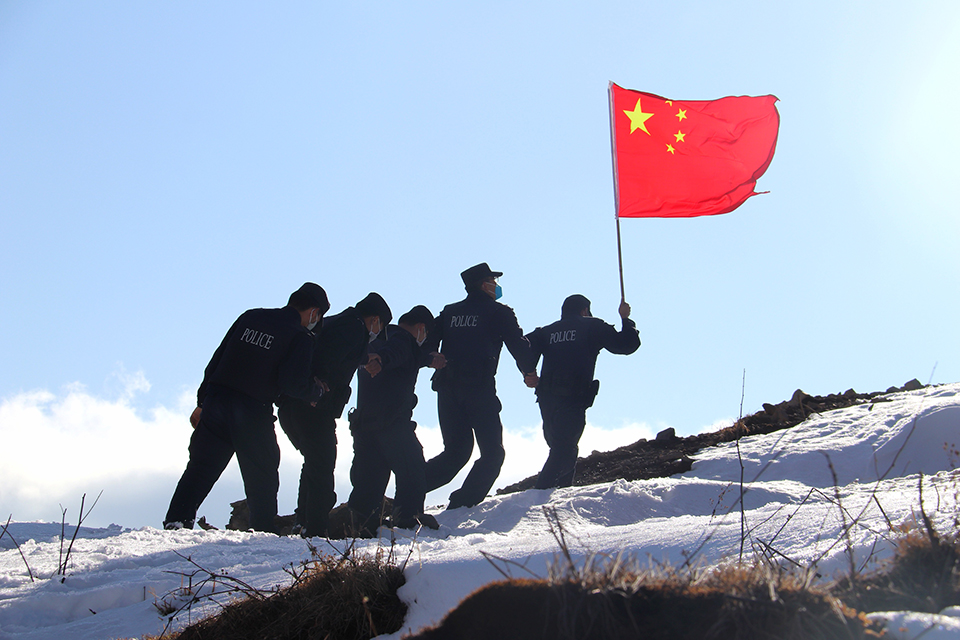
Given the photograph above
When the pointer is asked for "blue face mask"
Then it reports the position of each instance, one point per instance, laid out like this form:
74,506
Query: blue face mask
498,292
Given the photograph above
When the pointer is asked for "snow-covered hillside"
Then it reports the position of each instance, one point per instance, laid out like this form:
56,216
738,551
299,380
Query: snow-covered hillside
871,454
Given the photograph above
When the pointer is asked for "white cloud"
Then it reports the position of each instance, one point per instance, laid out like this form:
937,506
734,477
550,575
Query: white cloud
131,383
60,446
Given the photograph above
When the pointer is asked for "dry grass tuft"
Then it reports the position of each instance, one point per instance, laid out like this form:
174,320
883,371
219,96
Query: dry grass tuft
348,596
758,600
922,575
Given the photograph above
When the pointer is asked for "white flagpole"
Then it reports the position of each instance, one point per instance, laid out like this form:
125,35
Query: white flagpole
616,192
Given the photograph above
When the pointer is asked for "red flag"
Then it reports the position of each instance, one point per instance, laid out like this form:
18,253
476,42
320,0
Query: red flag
685,158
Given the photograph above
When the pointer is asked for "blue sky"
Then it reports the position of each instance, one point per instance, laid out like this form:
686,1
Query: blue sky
165,167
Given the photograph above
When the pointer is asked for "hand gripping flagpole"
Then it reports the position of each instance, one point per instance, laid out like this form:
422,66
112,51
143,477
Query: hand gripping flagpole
616,192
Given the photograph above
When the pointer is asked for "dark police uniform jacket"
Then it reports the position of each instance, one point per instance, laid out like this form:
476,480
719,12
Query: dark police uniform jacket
570,347
265,353
341,346
389,398
471,334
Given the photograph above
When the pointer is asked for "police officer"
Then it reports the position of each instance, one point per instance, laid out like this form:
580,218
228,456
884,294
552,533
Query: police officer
267,352
566,387
470,334
384,437
341,347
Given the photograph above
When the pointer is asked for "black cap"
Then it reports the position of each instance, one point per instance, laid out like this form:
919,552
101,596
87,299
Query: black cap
374,305
417,315
310,295
574,305
478,273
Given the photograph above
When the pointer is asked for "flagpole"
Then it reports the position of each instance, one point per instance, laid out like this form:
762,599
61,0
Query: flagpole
620,261
616,190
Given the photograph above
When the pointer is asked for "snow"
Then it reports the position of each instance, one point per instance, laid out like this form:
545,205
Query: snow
876,451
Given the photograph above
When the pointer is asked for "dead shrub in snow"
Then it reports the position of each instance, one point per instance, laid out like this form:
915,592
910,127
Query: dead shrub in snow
346,596
922,575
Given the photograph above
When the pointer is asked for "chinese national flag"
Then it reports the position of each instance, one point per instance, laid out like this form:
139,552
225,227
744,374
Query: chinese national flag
685,158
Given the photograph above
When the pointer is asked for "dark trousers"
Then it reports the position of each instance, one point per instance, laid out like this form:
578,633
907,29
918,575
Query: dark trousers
313,431
465,411
375,454
231,422
564,419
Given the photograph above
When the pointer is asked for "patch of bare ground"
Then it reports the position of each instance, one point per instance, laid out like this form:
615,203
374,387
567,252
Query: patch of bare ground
668,454
609,597
730,603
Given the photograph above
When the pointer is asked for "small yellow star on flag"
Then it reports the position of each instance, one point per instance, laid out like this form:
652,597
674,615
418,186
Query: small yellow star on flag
679,136
670,148
638,119
681,113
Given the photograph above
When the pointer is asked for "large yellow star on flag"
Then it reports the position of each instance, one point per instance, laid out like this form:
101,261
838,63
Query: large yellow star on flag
638,119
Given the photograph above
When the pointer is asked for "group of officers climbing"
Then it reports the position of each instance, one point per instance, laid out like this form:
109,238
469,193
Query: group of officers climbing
304,363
